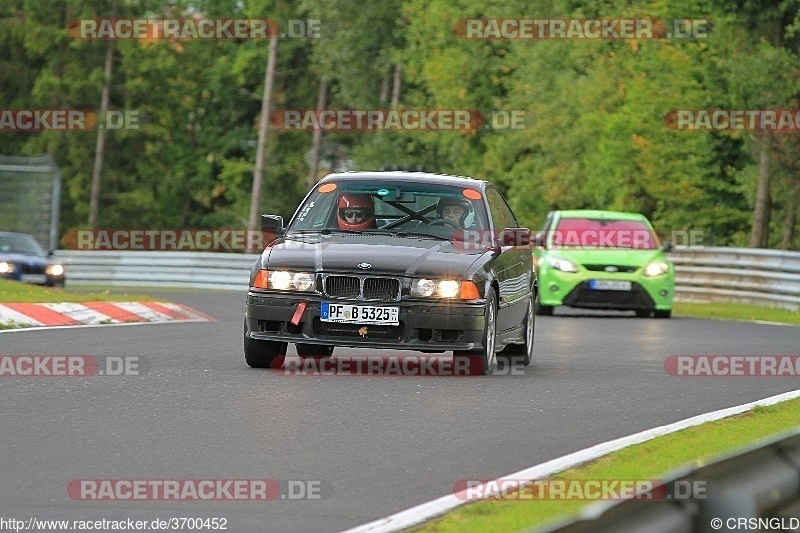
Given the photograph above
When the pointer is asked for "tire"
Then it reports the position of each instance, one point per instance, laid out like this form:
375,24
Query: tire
542,310
643,313
263,354
483,361
514,353
316,351
663,314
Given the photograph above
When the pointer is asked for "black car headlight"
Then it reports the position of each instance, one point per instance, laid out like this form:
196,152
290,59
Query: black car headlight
6,267
444,288
285,280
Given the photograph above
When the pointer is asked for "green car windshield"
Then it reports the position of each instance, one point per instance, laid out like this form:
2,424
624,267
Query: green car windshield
388,207
603,233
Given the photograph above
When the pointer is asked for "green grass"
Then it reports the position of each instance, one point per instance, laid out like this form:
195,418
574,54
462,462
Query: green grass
736,311
651,460
16,292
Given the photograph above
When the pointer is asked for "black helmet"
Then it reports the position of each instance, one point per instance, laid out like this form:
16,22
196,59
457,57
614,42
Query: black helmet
452,201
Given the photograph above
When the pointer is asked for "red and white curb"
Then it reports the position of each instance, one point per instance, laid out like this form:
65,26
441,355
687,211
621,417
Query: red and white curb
26,316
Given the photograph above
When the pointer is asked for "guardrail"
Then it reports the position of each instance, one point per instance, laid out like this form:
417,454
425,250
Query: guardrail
762,482
202,270
746,275
763,277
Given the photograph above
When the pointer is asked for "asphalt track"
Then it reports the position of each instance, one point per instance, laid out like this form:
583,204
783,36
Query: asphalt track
380,444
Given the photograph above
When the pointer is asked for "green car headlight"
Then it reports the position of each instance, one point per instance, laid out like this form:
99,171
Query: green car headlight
562,264
656,268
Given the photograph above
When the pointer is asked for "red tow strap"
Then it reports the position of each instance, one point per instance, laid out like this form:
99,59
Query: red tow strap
298,313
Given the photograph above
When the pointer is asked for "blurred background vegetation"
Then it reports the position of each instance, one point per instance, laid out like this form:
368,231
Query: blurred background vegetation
595,134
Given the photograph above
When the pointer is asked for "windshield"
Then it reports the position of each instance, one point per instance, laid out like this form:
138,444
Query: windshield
396,207
604,233
19,244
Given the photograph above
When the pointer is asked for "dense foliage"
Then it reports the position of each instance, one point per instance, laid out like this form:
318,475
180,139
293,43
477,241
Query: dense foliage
595,132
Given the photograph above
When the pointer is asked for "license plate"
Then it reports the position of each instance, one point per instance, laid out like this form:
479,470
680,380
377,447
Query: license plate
34,278
609,285
359,314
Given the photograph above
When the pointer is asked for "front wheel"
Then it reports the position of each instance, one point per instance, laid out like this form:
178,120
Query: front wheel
666,313
483,361
263,354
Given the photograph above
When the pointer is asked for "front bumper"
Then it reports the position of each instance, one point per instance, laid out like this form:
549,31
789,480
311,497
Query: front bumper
424,326
35,278
572,289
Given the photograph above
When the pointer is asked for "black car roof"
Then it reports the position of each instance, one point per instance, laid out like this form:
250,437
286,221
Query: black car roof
411,177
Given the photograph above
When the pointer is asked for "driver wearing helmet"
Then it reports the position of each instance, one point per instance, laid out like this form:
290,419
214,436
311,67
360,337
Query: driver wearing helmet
356,212
453,210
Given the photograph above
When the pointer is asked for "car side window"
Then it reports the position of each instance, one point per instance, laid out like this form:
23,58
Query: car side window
548,221
502,215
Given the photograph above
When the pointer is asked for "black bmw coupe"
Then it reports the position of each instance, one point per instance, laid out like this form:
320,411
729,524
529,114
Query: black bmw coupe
395,260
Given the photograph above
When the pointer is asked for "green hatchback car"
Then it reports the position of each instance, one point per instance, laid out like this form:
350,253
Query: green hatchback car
603,260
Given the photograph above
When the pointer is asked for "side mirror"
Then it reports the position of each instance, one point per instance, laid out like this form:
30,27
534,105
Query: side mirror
667,246
539,240
272,224
50,253
515,237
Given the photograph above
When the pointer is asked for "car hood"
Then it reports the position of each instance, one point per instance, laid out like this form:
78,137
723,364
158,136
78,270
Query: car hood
24,259
387,254
608,256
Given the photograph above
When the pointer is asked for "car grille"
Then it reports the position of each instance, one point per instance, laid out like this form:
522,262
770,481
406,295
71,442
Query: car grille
362,288
359,331
343,286
583,296
33,269
622,269
381,288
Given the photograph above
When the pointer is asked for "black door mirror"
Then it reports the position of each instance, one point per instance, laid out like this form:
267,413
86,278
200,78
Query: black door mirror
515,237
667,246
272,224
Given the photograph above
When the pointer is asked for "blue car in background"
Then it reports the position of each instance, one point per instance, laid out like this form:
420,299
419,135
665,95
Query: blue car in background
22,259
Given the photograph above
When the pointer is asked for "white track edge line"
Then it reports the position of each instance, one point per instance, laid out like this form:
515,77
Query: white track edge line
430,509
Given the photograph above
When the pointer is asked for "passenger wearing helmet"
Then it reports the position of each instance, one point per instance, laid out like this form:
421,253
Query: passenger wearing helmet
453,210
356,212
